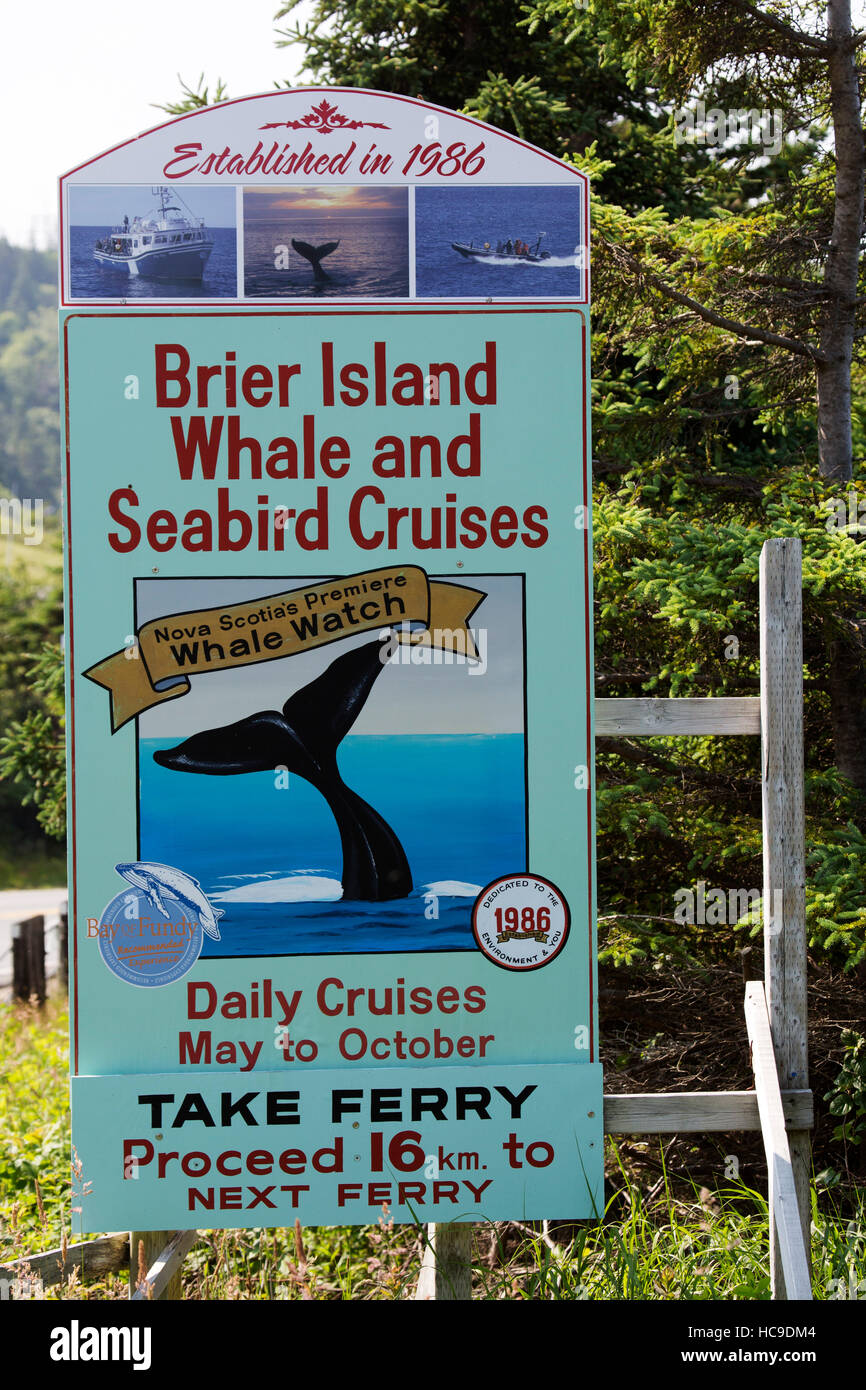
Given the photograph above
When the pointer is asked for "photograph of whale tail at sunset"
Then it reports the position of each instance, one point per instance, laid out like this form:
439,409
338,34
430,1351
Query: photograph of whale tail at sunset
335,242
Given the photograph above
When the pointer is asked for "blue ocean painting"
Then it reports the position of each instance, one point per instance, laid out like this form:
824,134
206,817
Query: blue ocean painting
475,216
268,854
90,280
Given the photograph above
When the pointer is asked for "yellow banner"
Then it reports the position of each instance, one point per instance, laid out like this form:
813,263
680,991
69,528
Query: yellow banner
169,650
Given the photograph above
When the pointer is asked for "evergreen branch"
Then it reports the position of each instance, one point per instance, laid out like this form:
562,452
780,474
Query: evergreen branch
728,482
740,330
781,26
783,282
603,679
637,917
643,756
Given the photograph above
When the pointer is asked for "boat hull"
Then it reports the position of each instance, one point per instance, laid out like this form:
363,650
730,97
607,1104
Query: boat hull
181,263
473,253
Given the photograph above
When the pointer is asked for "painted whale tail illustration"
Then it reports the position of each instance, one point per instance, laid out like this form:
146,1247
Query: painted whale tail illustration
304,738
315,255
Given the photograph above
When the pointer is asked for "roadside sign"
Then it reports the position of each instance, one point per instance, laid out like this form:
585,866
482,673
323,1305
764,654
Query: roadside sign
326,363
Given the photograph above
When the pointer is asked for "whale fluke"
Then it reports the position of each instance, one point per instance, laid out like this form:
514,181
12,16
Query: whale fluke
304,738
315,254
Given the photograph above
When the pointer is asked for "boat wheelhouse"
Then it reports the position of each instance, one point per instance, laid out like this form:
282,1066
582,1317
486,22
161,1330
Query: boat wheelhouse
169,243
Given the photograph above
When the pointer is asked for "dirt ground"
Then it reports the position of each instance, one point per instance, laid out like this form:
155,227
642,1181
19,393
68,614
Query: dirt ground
678,1030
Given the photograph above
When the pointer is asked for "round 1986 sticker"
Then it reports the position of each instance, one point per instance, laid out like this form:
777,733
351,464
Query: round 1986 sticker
521,922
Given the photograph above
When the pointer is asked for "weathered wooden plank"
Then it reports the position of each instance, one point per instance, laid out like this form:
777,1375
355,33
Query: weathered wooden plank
92,1258
784,844
28,960
722,715
446,1269
793,1248
696,1112
145,1250
63,948
164,1272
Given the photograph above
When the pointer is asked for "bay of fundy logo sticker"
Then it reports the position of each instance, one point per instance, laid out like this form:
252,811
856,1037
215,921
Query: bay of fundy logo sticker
152,933
521,922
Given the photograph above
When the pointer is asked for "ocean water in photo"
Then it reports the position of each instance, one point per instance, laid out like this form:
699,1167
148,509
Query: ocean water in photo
478,215
268,855
90,280
371,261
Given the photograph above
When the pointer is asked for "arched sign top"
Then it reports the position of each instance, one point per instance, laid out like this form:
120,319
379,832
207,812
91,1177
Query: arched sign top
288,136
233,202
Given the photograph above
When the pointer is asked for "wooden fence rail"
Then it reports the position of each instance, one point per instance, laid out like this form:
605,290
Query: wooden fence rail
793,1248
666,717
92,1259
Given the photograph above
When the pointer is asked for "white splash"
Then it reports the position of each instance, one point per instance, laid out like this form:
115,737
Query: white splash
452,888
298,888
574,261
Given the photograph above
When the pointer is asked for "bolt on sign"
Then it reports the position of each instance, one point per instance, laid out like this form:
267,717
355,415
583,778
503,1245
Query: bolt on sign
326,361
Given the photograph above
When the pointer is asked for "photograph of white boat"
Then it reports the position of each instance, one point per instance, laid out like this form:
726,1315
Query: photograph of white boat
168,243
152,243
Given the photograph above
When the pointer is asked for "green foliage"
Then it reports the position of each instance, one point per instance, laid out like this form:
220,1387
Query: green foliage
30,600
34,1118
194,98
28,281
714,1247
34,864
29,400
836,895
29,617
31,751
848,1095
542,80
676,573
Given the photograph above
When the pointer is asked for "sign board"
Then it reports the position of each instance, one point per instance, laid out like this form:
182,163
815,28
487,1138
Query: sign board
326,360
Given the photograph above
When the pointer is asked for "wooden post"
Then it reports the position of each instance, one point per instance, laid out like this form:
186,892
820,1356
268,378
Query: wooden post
446,1269
163,1273
28,960
784,850
63,940
145,1248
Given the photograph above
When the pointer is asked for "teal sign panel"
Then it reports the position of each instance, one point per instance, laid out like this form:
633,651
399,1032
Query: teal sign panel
447,1144
330,700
